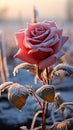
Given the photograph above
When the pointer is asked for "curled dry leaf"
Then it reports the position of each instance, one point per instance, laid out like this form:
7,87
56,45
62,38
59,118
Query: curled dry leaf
58,100
26,66
5,85
64,105
47,93
64,125
17,95
62,70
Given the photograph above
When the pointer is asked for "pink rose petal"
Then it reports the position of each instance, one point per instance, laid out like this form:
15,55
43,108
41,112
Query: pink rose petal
63,40
28,33
52,33
53,24
50,60
33,26
37,33
50,23
50,50
56,47
59,32
47,62
49,43
59,54
42,36
33,41
19,39
22,55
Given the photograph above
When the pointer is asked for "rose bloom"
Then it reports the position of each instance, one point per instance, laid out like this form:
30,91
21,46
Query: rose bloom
40,43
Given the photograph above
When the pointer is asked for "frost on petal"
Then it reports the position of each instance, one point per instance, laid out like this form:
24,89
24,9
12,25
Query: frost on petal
49,50
48,43
41,53
33,41
63,40
59,32
59,54
47,62
46,49
51,35
19,39
56,47
53,24
24,56
37,33
33,26
50,23
42,36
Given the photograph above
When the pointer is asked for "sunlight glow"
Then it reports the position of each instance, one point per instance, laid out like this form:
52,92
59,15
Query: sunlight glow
45,8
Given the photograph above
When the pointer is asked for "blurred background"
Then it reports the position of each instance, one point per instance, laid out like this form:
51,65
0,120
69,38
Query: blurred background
15,15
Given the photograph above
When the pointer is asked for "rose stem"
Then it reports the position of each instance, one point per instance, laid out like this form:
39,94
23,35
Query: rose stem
43,116
45,106
37,99
47,75
46,110
35,96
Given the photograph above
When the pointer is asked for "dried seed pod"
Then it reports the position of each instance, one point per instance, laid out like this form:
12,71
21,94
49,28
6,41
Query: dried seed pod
47,93
17,95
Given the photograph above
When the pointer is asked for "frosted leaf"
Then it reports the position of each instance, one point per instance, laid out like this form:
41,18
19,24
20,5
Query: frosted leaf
17,95
25,66
5,86
46,92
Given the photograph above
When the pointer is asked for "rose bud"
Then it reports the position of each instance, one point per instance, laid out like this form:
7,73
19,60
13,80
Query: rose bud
17,95
47,93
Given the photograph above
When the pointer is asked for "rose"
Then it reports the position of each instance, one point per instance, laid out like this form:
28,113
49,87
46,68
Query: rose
40,43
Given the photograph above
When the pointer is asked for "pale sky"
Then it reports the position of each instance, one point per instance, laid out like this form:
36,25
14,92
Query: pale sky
46,8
